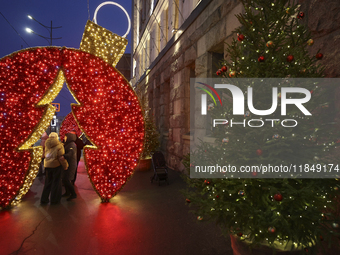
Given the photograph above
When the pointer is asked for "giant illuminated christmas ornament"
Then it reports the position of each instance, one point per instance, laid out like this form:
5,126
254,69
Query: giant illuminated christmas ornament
108,112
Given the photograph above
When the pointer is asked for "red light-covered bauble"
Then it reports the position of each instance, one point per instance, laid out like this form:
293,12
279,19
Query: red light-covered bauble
319,56
206,182
224,68
290,58
259,152
108,112
240,37
261,59
68,125
278,197
218,72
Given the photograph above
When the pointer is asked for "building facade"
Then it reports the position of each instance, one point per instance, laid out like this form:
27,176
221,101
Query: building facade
176,40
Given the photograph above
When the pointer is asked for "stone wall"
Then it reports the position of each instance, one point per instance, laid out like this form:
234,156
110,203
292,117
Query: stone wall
322,17
167,85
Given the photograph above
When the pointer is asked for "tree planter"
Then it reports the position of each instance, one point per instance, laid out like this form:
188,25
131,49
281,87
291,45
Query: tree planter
242,248
144,165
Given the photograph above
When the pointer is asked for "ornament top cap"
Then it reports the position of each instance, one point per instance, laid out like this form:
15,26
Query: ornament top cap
121,7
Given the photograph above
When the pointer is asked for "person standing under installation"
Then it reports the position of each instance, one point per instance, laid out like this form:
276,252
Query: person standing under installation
71,157
80,145
54,150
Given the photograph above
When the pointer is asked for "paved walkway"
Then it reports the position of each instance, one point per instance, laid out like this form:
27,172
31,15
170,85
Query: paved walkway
143,218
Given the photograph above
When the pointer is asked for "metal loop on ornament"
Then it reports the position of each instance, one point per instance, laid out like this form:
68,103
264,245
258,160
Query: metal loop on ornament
121,7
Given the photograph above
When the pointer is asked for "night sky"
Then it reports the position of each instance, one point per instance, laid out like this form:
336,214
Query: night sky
71,15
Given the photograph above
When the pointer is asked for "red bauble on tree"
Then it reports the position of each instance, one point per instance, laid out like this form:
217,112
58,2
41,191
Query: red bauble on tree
240,37
224,68
290,58
301,15
218,72
259,152
261,59
232,74
319,56
278,197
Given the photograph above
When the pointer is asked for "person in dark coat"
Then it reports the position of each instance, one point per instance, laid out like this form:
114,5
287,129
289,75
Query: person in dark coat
54,149
71,157
80,145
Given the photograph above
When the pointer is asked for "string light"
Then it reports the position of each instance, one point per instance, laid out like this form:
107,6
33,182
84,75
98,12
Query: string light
108,112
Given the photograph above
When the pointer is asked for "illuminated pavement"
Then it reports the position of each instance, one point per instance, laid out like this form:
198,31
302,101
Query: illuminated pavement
143,218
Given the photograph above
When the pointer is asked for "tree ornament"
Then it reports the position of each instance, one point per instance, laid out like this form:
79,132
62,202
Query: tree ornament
232,74
270,44
225,140
319,56
218,72
259,152
247,114
336,188
224,68
217,196
241,193
261,59
290,58
240,234
206,182
199,218
335,225
310,42
271,230
278,197
240,37
301,15
288,10
276,136
188,200
210,106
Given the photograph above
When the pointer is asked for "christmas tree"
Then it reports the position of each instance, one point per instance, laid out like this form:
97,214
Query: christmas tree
151,134
285,212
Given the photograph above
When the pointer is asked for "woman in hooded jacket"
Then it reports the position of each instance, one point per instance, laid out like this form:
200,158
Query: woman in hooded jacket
71,157
54,149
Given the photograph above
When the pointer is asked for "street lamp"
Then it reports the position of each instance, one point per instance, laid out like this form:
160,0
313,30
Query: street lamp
49,29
